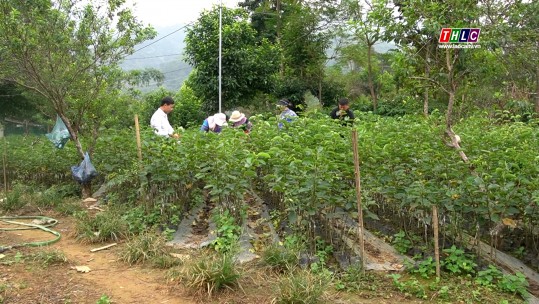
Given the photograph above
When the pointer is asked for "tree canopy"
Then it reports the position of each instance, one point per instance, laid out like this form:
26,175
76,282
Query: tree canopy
67,52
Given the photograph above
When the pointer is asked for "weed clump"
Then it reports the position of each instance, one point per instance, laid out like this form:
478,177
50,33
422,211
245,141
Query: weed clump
209,274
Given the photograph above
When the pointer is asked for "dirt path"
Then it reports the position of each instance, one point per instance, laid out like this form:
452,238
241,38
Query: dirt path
27,283
24,280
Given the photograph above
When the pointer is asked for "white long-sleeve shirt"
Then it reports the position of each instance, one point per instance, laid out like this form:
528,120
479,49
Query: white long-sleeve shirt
160,123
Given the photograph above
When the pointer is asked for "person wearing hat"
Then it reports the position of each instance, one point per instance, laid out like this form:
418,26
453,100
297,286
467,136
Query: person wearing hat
239,120
343,112
159,120
286,113
214,123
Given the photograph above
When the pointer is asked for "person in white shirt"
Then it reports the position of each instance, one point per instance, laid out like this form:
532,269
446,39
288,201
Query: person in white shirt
159,119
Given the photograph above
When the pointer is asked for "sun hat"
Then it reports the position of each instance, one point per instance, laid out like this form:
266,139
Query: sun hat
236,116
219,119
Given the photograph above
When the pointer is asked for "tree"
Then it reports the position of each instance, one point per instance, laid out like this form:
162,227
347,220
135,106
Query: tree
301,30
68,52
247,62
520,43
363,29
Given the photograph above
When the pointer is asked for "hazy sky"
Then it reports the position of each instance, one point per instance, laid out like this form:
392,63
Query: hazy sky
160,13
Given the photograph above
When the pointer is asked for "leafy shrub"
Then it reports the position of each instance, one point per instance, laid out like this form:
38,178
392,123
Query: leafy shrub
138,221
104,300
401,242
410,287
493,277
457,262
516,284
489,276
228,232
426,268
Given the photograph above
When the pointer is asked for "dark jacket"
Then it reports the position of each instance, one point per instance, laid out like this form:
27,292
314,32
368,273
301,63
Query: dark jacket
343,115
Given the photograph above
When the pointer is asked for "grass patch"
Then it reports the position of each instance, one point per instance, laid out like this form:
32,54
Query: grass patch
69,206
14,199
353,279
49,257
103,227
55,196
279,258
208,274
302,287
148,247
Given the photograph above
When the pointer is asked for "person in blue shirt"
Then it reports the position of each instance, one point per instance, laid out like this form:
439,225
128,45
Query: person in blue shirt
214,123
286,114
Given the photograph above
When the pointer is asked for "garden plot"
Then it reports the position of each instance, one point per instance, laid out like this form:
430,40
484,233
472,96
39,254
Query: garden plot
379,255
198,230
342,232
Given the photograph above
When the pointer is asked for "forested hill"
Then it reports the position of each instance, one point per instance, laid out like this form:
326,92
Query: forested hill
164,54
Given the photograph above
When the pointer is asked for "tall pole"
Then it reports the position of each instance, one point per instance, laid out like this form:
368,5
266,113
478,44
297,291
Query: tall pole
137,134
220,47
357,174
4,163
436,239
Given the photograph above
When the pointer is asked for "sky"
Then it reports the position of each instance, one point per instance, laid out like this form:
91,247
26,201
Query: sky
162,13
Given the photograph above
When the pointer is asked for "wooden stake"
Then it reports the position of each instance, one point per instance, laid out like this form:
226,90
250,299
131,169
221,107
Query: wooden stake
103,248
436,240
137,130
358,198
4,164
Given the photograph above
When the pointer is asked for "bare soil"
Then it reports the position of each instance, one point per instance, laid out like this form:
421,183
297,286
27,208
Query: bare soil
30,283
24,280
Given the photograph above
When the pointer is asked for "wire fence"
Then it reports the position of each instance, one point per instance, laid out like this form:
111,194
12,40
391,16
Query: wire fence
9,126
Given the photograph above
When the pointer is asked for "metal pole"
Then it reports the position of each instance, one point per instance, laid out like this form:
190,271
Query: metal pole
220,47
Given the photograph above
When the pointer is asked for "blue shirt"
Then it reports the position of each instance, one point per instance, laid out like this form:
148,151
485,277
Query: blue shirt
206,127
287,115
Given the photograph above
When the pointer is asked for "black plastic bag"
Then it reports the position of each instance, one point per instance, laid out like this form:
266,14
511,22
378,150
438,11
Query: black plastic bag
84,172
60,134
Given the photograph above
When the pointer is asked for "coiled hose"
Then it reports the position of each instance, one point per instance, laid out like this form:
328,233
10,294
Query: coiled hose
44,222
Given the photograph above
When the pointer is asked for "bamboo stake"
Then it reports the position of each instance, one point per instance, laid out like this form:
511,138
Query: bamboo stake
436,241
137,130
103,248
4,163
358,197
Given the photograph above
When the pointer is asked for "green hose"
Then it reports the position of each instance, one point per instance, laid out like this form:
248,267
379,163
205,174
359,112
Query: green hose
47,222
